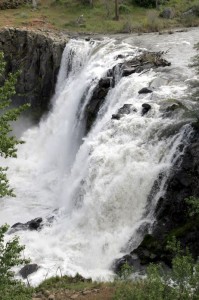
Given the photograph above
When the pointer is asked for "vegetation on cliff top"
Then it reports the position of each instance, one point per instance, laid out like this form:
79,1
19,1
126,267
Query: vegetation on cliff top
79,16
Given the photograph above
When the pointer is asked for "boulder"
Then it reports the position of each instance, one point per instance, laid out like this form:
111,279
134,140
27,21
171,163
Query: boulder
145,108
167,13
127,72
28,269
34,224
124,110
145,90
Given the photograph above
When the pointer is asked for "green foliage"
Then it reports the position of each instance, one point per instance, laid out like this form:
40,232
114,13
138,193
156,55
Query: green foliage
180,282
124,9
10,256
10,252
125,272
8,142
66,282
193,204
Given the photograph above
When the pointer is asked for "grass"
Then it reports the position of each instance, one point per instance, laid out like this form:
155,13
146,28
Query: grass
76,283
64,15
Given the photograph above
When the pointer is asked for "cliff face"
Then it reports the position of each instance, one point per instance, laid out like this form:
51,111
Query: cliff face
37,55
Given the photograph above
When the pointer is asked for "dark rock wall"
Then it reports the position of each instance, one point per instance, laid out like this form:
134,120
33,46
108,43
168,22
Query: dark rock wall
37,55
172,212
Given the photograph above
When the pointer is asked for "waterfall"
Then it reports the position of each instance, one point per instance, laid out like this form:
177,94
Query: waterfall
96,185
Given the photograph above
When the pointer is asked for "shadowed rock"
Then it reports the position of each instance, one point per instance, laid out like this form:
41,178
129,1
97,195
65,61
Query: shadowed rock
34,224
124,110
146,108
28,269
145,90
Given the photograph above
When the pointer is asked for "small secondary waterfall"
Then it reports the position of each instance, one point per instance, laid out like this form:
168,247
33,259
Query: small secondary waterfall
96,186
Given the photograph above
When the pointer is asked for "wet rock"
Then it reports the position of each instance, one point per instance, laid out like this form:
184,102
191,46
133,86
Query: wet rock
116,117
145,108
105,82
120,56
96,101
172,107
143,62
124,110
145,90
130,260
34,224
28,269
127,72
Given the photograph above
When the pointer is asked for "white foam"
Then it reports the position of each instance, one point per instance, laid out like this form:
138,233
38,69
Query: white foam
99,185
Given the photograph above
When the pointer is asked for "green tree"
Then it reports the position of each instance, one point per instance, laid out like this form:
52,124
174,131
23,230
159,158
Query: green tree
10,256
10,252
8,142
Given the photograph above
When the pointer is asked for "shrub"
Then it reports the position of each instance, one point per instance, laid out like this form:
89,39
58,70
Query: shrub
124,9
180,282
10,256
193,204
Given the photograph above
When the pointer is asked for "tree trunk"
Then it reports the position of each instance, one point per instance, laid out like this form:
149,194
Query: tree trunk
116,10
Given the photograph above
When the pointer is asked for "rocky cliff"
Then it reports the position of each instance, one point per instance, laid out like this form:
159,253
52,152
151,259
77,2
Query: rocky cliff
37,54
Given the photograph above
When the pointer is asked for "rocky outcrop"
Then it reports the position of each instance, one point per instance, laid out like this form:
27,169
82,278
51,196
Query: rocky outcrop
172,213
172,210
34,224
124,110
37,55
141,63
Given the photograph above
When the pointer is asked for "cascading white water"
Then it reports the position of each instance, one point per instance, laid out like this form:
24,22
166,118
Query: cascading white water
97,186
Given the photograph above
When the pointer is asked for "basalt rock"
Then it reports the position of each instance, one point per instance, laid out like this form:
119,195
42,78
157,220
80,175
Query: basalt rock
124,110
145,108
37,55
95,103
28,269
172,210
143,62
34,224
145,90
172,217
